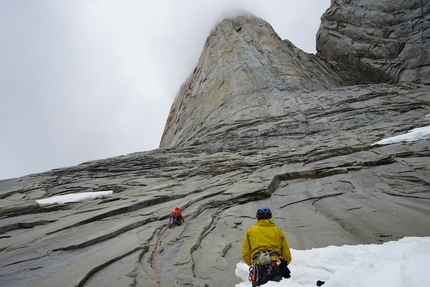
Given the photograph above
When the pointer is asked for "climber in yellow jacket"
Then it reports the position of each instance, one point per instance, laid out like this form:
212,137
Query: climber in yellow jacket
264,237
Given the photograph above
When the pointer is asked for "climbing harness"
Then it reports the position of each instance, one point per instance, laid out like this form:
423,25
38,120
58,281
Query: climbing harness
264,257
175,219
154,259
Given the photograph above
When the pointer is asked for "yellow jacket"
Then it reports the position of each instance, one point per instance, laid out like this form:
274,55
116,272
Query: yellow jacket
264,236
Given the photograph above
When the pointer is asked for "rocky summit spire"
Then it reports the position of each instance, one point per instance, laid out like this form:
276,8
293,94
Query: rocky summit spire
246,73
243,66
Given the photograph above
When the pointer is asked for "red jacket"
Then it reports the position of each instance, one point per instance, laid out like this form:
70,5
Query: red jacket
178,212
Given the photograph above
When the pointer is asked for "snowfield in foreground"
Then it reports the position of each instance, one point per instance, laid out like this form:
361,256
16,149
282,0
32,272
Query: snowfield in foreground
402,263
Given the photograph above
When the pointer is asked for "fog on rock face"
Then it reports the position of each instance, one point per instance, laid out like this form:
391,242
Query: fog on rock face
259,122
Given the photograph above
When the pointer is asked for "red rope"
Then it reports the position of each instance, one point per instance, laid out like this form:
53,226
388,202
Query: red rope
154,259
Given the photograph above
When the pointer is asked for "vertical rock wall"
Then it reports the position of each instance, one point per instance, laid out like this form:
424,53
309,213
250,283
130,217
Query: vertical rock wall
243,62
378,40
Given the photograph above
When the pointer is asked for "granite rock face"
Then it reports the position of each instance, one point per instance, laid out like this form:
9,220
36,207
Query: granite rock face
244,64
258,123
378,41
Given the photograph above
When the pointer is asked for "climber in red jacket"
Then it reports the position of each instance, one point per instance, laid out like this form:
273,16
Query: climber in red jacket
176,217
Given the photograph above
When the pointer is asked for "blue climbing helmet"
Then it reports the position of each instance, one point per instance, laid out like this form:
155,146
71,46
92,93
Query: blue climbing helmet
264,213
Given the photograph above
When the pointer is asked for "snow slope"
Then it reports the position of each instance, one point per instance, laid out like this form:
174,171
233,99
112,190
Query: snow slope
402,263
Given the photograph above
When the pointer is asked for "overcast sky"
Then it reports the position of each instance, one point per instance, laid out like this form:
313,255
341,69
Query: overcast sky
85,80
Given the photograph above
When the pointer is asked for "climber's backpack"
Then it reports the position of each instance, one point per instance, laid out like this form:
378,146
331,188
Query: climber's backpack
262,268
